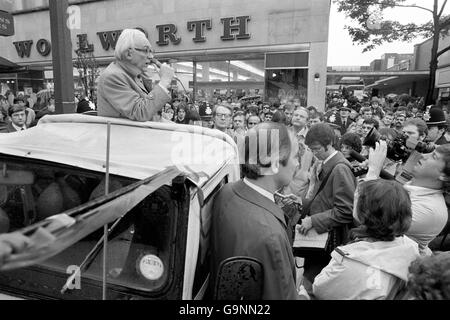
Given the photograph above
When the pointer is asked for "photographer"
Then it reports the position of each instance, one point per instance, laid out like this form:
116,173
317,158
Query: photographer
429,211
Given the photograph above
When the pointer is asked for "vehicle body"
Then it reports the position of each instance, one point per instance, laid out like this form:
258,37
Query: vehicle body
162,181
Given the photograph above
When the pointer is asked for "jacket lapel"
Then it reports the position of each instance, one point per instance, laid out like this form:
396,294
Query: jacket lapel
250,195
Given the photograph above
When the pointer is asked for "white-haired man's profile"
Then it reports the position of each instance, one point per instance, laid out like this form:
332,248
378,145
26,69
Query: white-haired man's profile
122,93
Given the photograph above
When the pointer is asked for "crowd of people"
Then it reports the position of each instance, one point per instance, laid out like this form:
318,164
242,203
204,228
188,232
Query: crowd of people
323,179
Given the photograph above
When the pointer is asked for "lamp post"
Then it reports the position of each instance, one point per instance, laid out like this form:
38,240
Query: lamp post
62,57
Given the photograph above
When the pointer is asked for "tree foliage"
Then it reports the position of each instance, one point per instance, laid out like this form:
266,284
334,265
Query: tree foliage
361,11
371,30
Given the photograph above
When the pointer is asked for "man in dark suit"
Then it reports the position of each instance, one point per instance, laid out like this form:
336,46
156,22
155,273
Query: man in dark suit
246,220
18,117
345,119
331,203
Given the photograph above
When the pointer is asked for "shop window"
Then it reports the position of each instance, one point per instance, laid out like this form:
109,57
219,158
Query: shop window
230,78
287,85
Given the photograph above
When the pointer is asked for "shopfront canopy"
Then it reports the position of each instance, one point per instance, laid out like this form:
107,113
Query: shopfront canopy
7,66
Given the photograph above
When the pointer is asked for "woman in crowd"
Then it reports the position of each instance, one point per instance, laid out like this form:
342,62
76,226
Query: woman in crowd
182,115
167,112
375,264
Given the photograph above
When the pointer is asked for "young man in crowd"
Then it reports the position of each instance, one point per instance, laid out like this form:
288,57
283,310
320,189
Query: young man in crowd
330,207
248,222
345,119
366,113
239,123
399,120
415,129
386,121
288,112
315,118
18,119
300,119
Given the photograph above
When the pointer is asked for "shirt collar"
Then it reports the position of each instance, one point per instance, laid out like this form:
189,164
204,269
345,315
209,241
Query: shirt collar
260,190
19,128
329,158
129,68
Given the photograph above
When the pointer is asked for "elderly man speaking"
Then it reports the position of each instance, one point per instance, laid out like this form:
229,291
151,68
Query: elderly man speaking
121,89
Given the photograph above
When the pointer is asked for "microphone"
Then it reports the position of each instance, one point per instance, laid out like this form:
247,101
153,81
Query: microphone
158,65
383,174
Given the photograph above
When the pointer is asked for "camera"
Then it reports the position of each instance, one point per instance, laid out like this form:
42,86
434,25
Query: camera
399,148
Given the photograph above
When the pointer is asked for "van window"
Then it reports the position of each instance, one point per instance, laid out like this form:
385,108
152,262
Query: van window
141,244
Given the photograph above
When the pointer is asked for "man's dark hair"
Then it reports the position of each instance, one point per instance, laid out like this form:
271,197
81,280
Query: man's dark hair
429,277
375,123
353,141
321,133
15,108
383,209
315,115
279,117
419,124
259,154
444,150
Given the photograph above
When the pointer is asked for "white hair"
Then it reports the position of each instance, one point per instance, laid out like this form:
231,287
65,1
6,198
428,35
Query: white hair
127,40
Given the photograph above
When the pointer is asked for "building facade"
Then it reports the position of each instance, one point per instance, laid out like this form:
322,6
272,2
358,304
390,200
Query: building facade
276,49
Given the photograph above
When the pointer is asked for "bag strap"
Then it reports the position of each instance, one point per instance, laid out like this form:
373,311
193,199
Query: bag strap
306,209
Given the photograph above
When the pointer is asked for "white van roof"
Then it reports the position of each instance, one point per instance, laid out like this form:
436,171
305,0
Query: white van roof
137,149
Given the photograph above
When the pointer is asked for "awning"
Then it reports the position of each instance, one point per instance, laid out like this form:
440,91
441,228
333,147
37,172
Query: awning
7,66
396,81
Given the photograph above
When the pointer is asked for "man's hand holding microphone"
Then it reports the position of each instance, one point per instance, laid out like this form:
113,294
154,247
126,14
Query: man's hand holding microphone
166,73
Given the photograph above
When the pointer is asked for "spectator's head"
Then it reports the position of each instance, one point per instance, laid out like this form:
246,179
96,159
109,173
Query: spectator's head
279,117
320,139
167,112
266,108
268,117
368,125
252,121
222,117
133,47
429,277
300,117
17,114
399,119
83,106
20,101
181,112
239,120
383,208
263,159
315,118
388,118
415,129
367,113
288,111
349,142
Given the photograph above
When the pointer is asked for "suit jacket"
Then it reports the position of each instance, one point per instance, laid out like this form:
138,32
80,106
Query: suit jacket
8,128
344,128
245,223
121,96
333,206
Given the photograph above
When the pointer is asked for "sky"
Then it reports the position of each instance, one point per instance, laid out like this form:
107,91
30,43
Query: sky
341,50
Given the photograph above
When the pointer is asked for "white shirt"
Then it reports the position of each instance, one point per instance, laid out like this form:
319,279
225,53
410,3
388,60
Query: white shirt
429,215
260,190
19,128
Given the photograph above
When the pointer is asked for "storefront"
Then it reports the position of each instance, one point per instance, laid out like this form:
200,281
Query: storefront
276,49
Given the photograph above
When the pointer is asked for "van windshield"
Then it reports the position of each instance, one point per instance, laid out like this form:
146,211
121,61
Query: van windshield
140,241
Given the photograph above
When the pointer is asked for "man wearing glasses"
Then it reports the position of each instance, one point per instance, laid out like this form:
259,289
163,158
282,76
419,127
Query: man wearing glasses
222,119
122,92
